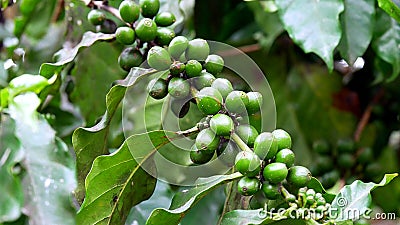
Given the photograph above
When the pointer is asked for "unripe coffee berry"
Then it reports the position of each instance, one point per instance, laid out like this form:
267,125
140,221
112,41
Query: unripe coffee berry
248,186
193,68
224,86
209,101
178,87
248,163
214,64
283,139
265,146
149,7
125,35
165,19
275,172
129,11
236,102
221,124
206,140
146,30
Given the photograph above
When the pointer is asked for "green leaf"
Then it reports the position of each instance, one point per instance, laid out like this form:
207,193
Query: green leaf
357,28
317,186
92,142
313,25
390,8
386,42
117,182
28,83
49,179
93,71
185,200
269,23
67,54
354,200
10,154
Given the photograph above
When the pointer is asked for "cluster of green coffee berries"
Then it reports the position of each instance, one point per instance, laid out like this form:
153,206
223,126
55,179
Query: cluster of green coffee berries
270,166
345,160
144,24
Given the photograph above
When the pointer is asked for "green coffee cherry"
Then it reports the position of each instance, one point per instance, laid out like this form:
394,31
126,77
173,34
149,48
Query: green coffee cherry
310,192
255,102
158,88
158,58
275,172
346,160
146,30
221,124
283,139
290,198
176,68
285,156
125,35
247,133
248,163
321,201
197,49
321,147
164,36
129,11
193,68
310,200
324,163
209,101
178,87
96,17
204,80
178,46
224,86
214,64
180,107
199,156
271,191
206,140
329,179
236,102
366,156
130,57
299,176
265,146
248,186
149,7
165,19
346,145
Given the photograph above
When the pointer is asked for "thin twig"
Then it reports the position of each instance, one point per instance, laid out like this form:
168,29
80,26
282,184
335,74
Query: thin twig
366,115
58,11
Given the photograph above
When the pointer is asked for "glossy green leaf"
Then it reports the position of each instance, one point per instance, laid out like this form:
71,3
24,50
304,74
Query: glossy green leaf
313,25
390,8
48,180
269,23
357,22
355,199
93,71
27,82
185,200
67,54
117,182
92,142
386,42
317,186
10,155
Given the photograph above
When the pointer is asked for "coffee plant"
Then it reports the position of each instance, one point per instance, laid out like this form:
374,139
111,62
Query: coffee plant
143,112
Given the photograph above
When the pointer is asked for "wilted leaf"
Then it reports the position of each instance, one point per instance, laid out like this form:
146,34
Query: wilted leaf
313,25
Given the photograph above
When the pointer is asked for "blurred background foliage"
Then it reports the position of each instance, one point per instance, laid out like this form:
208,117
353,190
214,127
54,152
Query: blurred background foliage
358,100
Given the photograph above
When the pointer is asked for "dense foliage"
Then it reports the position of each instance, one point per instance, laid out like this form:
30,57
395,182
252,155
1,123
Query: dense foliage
95,95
